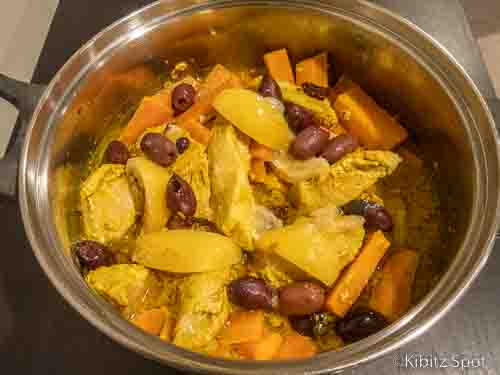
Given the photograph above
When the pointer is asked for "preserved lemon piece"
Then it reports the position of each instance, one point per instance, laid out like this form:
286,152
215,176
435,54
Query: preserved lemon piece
150,182
319,249
186,251
255,117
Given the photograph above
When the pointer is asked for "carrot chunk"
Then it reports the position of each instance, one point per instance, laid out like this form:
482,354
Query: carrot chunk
244,326
218,80
296,347
262,350
258,170
392,294
353,280
151,321
278,65
259,151
153,111
313,70
364,118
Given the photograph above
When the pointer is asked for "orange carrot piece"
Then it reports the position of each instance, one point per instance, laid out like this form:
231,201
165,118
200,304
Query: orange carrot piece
364,118
218,80
244,326
199,132
295,346
278,65
391,296
258,171
353,280
153,111
262,350
151,321
313,70
259,151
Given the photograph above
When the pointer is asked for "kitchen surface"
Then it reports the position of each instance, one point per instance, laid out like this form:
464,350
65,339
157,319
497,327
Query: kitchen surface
40,333
483,18
23,30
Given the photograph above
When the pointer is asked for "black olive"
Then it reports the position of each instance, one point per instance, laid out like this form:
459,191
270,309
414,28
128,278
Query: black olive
183,96
379,217
159,149
339,146
359,325
315,91
309,142
182,144
303,325
181,197
269,88
298,117
117,153
376,216
301,298
92,254
177,222
252,293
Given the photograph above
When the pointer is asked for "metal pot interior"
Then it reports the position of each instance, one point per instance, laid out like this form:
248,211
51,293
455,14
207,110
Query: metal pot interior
400,67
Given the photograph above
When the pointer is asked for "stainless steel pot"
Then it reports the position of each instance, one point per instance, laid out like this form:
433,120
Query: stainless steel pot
398,63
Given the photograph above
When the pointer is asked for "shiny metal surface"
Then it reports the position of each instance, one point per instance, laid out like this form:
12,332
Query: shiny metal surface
25,97
447,23
455,113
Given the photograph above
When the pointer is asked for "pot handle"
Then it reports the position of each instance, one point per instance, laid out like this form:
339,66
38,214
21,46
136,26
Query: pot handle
24,97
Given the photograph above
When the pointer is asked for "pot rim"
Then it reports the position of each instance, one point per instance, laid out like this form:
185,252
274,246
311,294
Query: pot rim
136,340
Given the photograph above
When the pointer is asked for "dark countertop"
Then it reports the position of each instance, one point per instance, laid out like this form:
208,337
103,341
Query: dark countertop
40,333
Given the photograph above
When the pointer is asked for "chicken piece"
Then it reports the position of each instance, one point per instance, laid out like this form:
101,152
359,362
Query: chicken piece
271,192
203,309
107,204
232,197
121,283
347,180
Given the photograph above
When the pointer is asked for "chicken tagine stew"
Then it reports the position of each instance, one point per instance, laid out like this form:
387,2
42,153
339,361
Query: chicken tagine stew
260,214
